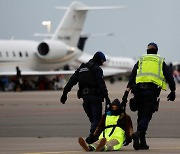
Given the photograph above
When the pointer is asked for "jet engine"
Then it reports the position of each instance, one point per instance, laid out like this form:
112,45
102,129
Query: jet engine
53,50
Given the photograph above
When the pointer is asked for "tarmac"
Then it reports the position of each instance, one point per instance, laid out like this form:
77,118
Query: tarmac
36,123
67,145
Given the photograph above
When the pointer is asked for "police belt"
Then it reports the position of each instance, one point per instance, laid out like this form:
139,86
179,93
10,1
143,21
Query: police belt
147,86
89,91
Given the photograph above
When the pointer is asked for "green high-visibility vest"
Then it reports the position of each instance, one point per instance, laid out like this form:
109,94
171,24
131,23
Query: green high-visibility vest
150,69
113,131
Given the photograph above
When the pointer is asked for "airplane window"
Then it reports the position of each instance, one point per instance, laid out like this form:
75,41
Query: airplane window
14,54
7,54
59,38
27,54
67,37
20,54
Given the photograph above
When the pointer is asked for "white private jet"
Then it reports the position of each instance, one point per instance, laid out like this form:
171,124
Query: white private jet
114,68
42,58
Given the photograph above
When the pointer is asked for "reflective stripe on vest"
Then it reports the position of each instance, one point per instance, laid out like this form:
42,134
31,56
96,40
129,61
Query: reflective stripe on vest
150,69
118,133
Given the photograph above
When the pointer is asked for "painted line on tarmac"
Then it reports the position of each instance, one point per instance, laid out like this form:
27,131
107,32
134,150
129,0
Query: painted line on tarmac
165,148
53,152
160,148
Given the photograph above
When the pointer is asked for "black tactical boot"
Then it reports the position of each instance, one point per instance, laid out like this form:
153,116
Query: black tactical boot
143,145
135,138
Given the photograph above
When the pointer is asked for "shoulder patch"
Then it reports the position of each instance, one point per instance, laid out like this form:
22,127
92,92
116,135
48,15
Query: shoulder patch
85,69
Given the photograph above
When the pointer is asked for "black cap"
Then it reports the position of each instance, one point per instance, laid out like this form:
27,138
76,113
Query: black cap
154,45
99,57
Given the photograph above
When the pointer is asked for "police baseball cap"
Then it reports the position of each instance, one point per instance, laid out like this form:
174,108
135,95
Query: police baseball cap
101,55
154,45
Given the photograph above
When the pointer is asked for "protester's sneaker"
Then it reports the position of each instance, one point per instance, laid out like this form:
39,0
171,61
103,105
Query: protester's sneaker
83,144
101,145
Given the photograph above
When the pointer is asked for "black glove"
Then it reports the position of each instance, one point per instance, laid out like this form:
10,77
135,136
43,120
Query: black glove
63,98
171,96
127,141
123,103
124,98
108,102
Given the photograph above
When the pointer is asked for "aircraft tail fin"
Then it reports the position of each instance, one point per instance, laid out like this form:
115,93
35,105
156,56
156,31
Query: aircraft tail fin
71,24
70,27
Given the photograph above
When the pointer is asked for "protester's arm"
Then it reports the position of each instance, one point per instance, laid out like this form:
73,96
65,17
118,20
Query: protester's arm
100,126
128,129
128,126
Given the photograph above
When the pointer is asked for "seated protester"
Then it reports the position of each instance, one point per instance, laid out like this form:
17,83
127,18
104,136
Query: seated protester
114,130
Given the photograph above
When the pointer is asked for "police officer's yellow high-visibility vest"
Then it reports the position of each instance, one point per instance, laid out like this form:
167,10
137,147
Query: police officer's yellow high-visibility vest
113,131
150,69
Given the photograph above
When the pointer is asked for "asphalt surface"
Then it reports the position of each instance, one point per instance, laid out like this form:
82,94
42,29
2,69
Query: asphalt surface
36,122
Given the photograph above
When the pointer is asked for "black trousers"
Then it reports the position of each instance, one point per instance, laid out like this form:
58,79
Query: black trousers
93,108
147,101
143,122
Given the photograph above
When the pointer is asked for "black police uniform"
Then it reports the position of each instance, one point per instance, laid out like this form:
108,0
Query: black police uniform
145,96
92,89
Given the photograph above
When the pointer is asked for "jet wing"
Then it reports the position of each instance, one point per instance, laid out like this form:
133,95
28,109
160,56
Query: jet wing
113,71
106,71
31,73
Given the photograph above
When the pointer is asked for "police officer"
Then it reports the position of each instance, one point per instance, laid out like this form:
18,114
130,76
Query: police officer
148,77
92,89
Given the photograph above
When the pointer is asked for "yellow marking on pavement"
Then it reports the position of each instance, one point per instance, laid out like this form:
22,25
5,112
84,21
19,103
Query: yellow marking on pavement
53,152
160,148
